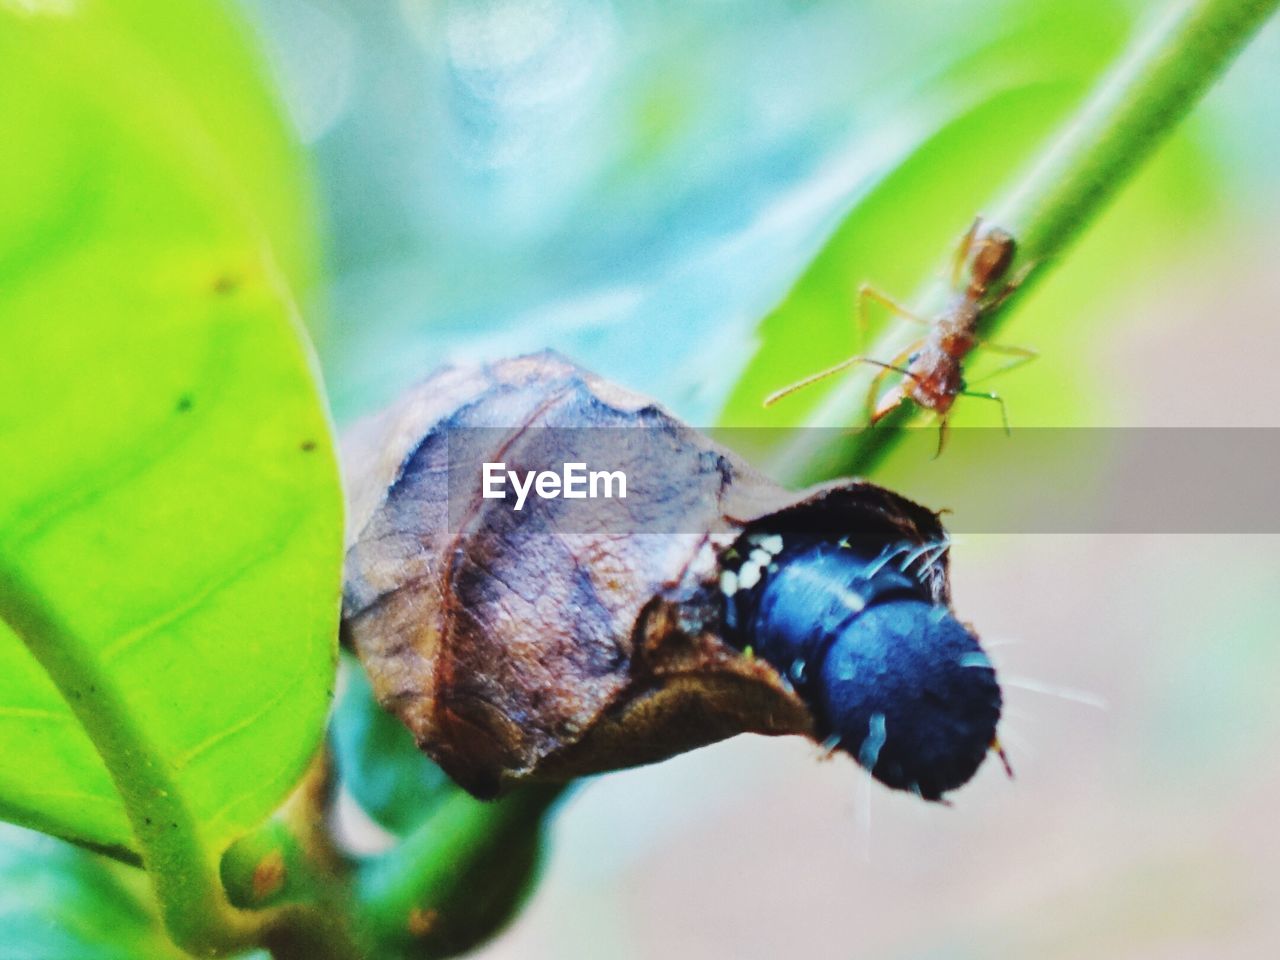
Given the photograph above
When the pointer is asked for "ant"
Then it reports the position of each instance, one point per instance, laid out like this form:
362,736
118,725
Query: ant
931,367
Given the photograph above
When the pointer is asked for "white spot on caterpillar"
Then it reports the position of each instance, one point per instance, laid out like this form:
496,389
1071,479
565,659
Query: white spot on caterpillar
773,543
728,583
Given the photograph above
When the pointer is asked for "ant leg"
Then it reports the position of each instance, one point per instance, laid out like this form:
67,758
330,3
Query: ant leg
944,426
1004,411
962,250
1014,283
868,292
1024,355
878,407
777,395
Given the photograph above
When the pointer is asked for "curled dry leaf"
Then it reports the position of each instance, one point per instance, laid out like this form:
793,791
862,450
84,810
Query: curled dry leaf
549,644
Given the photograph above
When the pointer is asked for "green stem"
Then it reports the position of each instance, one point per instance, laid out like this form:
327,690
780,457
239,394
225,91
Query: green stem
453,881
1117,129
291,868
447,886
1131,113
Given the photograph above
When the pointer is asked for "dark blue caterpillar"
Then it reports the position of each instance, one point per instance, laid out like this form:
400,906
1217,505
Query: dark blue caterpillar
892,678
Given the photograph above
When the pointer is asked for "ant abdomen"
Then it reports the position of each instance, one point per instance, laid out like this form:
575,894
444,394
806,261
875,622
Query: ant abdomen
892,677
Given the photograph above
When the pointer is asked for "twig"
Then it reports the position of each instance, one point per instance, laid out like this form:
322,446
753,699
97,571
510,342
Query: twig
458,877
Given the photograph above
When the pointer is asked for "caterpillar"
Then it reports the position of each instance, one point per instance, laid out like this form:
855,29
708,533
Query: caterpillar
549,643
892,678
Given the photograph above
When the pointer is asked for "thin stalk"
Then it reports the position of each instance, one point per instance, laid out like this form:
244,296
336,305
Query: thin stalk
291,870
455,880
1128,115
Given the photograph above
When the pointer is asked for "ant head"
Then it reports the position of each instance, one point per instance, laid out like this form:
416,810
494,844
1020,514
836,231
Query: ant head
992,253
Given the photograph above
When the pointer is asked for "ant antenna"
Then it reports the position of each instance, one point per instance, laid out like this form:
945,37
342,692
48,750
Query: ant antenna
786,391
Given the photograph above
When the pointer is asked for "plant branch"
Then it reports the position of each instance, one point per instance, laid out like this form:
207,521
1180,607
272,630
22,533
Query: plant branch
1119,126
451,883
291,869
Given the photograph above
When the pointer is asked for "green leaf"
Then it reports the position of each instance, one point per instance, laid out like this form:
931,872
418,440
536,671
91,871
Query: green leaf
60,785
170,511
393,781
56,901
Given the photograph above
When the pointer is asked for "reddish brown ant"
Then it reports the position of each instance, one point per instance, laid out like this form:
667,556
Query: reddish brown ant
931,367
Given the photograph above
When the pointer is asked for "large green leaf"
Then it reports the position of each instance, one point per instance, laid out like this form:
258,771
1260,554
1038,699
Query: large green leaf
56,901
170,509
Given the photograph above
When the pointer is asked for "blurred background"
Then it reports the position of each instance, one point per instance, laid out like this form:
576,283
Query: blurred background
685,198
